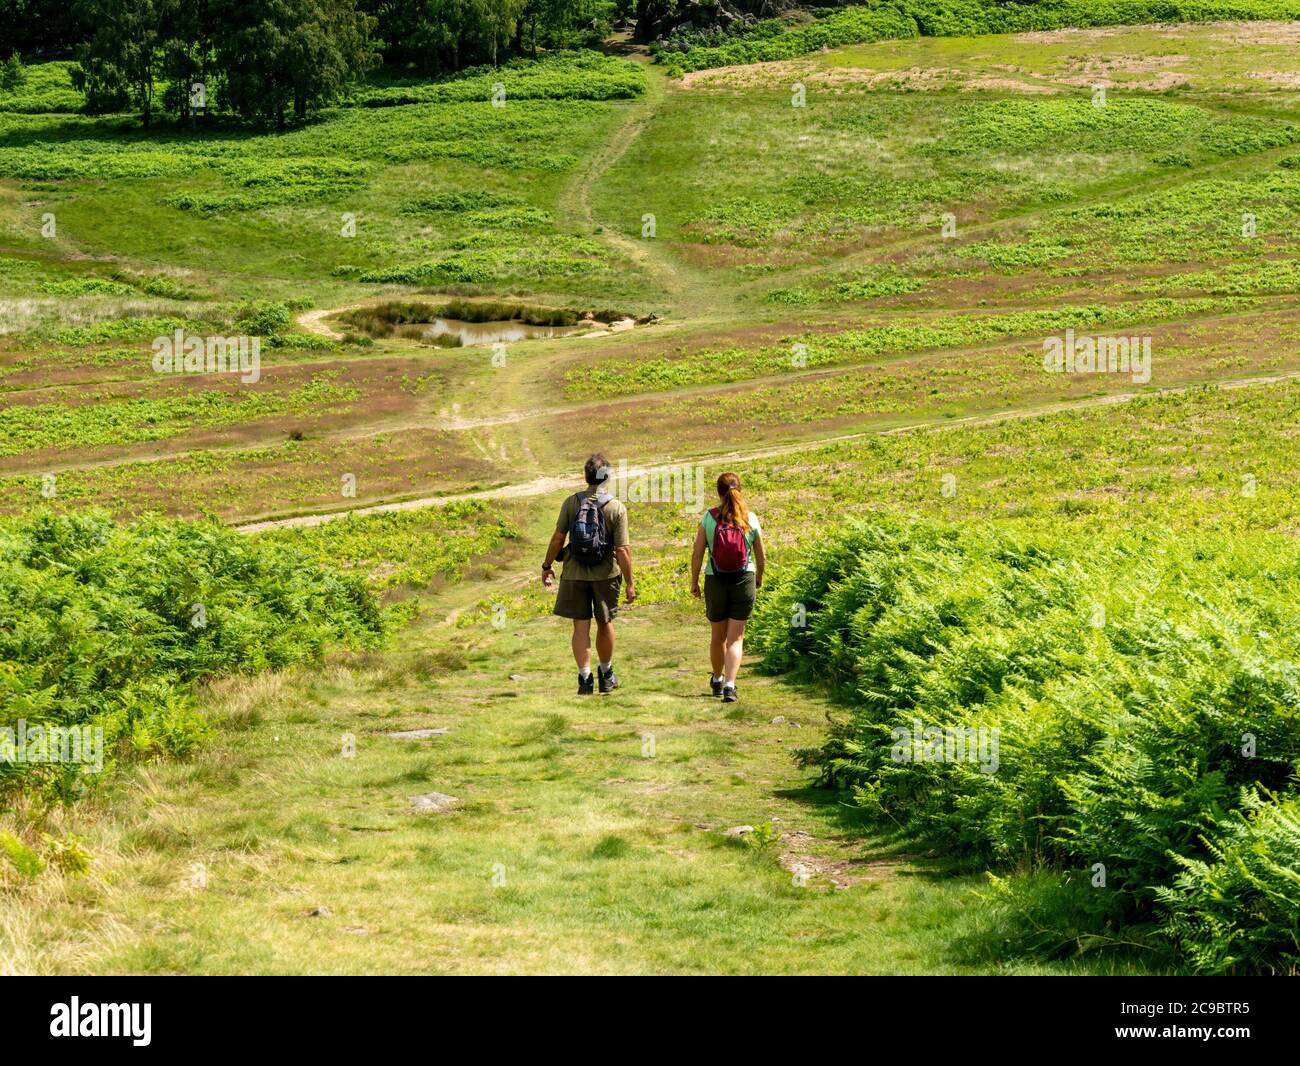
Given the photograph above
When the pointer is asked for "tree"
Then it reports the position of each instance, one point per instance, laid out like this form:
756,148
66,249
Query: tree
41,27
117,66
12,72
440,35
278,56
552,20
451,34
189,53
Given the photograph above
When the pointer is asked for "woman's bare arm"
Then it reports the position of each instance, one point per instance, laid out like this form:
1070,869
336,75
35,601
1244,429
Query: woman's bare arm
697,559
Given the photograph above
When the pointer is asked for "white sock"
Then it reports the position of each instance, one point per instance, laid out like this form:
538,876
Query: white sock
715,677
607,667
728,684
584,674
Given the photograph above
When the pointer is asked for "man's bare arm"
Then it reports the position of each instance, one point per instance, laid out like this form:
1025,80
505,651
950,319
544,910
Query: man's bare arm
623,556
552,550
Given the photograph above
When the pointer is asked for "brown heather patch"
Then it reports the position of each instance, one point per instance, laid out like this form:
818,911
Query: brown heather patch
1286,80
1257,33
1083,37
381,401
846,79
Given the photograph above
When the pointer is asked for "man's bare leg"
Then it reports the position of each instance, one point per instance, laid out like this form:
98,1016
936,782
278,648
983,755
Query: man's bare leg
582,644
604,642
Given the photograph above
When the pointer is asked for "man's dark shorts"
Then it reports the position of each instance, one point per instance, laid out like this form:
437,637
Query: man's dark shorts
582,599
729,597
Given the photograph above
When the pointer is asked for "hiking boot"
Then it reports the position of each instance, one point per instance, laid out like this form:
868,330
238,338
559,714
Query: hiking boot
608,682
587,685
729,694
716,685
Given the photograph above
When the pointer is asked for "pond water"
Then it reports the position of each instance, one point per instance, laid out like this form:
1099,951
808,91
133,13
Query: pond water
453,333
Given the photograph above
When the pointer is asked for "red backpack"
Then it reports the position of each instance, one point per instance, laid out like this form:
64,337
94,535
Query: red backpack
729,552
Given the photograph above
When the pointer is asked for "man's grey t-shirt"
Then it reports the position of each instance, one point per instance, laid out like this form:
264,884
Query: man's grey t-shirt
615,524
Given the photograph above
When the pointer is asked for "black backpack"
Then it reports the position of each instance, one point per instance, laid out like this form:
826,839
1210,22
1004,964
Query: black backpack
589,535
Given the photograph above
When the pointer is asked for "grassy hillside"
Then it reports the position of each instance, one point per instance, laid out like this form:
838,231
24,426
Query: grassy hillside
844,292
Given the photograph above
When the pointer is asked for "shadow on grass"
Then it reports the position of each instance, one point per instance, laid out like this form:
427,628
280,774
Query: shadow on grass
1058,916
1027,916
863,838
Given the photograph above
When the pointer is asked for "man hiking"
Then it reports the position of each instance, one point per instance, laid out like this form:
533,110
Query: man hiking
597,561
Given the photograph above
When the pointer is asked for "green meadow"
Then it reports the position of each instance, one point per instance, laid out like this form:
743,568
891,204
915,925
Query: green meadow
827,253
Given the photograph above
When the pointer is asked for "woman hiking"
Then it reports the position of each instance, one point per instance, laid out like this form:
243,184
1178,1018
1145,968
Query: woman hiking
732,577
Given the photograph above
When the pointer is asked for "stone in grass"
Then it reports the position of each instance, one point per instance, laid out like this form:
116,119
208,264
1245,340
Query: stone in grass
516,677
737,830
437,802
779,720
417,734
319,912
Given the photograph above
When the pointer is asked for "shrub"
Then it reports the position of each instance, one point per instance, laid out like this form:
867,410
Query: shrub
1131,693
264,318
23,858
13,74
765,42
471,200
108,625
38,88
1238,910
576,75
405,548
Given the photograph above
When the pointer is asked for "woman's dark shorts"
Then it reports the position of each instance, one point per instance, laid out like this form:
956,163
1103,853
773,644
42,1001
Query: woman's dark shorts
730,596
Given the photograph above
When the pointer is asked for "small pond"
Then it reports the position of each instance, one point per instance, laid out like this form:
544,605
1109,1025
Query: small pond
460,323
453,333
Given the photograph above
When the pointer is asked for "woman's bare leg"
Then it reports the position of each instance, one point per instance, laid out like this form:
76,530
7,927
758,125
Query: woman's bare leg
733,649
717,646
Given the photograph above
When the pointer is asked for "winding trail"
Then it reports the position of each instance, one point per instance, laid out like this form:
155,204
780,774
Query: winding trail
540,486
575,208
313,321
